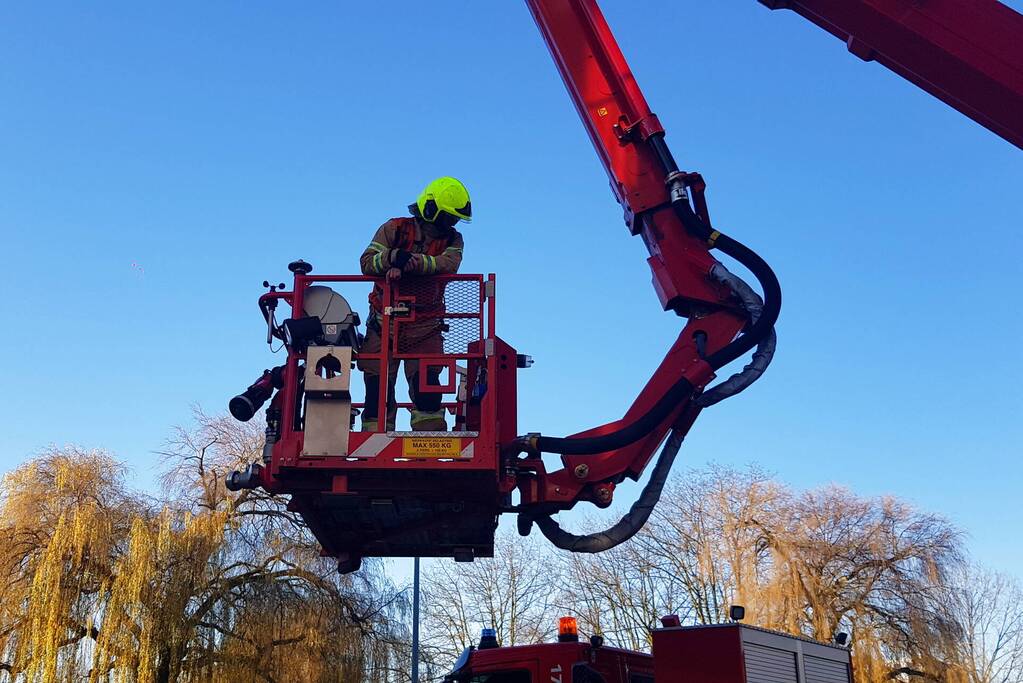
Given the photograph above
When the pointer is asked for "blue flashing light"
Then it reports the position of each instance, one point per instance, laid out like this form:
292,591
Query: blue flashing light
488,639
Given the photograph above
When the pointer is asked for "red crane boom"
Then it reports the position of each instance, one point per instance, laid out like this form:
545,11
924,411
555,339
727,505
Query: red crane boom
665,207
967,53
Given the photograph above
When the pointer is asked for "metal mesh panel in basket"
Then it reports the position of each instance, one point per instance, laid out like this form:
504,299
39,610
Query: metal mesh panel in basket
450,309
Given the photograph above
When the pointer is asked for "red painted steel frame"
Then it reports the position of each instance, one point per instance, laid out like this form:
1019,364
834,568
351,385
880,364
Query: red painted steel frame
337,494
967,53
620,123
287,451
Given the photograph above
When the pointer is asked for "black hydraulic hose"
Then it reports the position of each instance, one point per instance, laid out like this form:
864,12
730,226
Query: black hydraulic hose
737,250
679,393
629,525
664,155
760,269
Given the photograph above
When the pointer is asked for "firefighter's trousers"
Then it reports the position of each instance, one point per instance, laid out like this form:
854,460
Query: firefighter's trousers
415,337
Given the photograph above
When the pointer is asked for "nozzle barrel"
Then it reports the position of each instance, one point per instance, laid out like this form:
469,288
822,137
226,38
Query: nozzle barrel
244,405
249,479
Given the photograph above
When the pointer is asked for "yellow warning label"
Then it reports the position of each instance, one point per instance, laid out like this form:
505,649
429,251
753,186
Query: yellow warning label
431,447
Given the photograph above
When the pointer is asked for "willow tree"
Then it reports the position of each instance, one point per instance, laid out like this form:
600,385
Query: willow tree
269,563
65,520
873,566
104,584
707,535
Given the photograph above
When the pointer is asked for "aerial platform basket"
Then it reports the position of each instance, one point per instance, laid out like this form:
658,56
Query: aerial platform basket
386,493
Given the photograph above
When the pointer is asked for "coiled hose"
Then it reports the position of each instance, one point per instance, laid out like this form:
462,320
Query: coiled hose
633,521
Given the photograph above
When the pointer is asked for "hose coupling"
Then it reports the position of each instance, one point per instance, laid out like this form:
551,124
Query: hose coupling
676,182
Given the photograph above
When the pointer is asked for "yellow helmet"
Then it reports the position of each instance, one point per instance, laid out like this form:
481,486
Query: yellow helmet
448,195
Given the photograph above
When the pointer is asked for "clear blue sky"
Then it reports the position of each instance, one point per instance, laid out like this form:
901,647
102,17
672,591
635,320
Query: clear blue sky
211,143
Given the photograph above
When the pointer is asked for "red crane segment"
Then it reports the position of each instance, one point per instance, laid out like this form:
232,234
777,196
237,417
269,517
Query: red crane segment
620,125
665,207
967,53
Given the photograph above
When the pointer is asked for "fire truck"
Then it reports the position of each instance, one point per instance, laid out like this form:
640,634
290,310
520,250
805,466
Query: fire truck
368,493
718,653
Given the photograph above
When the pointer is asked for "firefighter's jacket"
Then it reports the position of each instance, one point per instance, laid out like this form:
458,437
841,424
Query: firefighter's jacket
442,253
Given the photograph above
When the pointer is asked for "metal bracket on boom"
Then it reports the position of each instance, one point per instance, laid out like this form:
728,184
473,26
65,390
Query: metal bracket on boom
639,130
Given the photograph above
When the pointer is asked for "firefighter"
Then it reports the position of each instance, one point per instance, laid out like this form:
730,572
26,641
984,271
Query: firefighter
423,244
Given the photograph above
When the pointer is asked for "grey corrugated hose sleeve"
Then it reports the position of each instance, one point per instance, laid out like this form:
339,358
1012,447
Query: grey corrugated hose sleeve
753,305
632,522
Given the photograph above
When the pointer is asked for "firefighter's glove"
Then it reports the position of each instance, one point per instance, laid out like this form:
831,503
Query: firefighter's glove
394,274
399,258
414,264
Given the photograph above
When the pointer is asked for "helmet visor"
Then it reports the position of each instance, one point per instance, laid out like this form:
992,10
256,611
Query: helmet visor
464,212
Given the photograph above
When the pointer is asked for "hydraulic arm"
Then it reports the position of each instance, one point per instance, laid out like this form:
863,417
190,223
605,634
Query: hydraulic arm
968,53
667,209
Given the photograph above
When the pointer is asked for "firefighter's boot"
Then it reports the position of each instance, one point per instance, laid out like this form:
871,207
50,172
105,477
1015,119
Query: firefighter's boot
427,413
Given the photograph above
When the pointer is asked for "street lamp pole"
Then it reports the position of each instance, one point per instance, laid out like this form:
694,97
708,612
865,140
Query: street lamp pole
415,623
